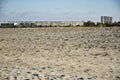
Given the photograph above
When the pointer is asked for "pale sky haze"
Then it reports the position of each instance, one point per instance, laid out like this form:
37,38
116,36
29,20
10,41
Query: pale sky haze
58,10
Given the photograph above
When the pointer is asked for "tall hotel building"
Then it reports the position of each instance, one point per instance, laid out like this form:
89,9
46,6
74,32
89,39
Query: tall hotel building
106,19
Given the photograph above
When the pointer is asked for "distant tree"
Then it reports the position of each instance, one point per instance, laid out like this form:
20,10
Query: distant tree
99,24
78,25
89,23
119,23
116,23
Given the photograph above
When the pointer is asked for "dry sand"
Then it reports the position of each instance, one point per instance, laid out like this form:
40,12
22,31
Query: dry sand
60,54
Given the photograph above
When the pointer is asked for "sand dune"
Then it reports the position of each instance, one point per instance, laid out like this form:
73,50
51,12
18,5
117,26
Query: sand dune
60,54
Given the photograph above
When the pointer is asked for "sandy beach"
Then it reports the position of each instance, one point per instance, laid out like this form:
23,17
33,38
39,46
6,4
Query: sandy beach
60,53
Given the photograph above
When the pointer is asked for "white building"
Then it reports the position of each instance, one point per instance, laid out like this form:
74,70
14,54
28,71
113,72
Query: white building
106,19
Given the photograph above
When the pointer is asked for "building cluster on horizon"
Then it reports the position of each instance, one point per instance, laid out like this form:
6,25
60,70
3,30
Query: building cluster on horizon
59,23
106,20
43,23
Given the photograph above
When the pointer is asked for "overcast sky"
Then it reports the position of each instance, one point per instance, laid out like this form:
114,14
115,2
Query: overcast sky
58,10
